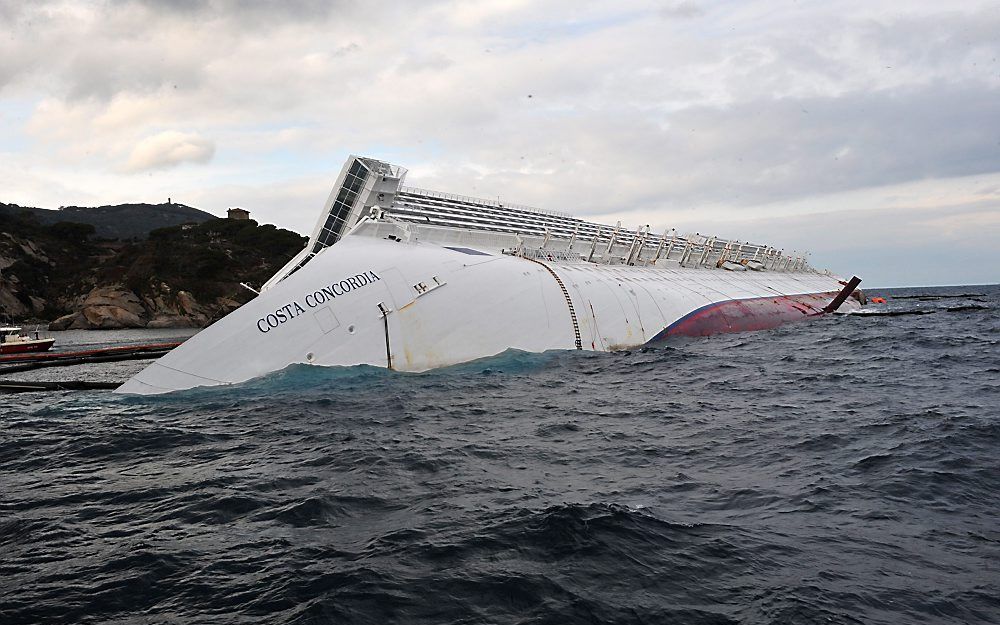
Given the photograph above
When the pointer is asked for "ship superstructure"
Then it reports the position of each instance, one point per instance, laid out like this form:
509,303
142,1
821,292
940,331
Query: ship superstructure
412,279
372,189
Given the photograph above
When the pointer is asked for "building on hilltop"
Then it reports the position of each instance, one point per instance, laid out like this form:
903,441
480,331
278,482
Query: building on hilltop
238,213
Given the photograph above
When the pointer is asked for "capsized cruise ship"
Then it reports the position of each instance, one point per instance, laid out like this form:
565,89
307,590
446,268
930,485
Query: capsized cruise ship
412,279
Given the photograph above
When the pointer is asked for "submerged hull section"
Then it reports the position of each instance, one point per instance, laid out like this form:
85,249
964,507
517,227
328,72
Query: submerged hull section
749,315
417,306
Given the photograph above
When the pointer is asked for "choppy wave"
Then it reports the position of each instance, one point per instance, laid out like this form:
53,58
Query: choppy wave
843,471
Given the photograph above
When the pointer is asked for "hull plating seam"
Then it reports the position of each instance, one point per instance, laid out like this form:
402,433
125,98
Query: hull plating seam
569,302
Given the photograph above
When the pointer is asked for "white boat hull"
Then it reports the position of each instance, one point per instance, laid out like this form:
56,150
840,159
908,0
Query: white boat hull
418,306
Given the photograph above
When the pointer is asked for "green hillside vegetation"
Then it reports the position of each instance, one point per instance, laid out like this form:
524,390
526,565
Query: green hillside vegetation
208,259
119,222
41,263
47,270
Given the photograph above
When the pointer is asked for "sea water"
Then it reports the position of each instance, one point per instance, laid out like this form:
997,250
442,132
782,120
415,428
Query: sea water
840,471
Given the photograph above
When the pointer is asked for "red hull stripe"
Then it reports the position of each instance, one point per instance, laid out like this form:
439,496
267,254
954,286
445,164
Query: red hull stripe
103,351
746,315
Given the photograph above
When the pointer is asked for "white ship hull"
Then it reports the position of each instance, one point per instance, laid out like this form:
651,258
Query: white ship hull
331,312
412,280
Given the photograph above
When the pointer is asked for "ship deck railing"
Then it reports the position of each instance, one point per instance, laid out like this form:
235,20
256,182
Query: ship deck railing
674,251
476,201
459,211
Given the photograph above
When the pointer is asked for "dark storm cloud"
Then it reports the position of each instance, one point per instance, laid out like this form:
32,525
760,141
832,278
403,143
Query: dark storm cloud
774,149
11,10
749,152
682,10
259,12
100,50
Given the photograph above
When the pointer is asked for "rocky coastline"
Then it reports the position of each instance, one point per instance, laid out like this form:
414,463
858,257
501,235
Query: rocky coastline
185,275
115,306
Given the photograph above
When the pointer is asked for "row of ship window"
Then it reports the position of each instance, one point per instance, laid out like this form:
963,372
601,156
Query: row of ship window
424,208
584,232
529,220
349,190
420,214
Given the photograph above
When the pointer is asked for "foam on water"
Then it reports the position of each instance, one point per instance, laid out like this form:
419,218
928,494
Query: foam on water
843,471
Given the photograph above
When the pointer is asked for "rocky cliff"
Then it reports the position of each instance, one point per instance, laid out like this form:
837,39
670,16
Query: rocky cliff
181,276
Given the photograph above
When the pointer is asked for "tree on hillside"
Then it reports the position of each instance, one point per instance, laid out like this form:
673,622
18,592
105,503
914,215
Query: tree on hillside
72,231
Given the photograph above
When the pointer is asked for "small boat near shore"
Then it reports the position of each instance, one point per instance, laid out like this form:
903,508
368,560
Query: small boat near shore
13,342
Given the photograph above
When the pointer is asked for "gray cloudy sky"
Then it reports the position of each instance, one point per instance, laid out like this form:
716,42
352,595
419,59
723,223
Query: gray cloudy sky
867,133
